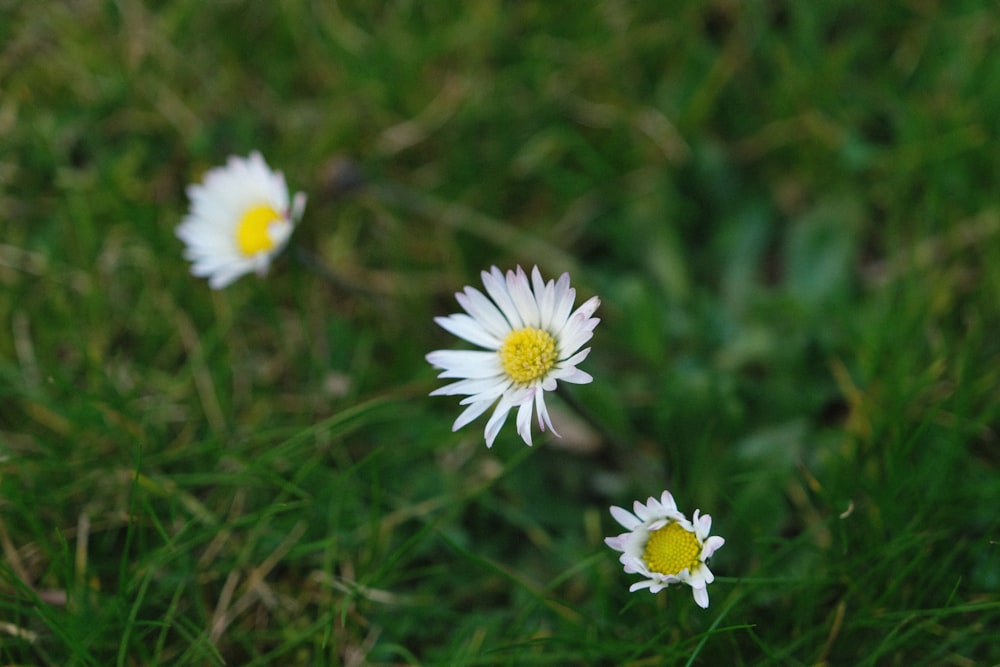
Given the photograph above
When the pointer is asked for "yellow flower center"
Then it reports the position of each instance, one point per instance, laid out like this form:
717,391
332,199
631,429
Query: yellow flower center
528,354
671,549
253,233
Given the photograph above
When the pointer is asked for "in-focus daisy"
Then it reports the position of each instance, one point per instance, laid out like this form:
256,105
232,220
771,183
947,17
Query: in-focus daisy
240,218
666,548
531,340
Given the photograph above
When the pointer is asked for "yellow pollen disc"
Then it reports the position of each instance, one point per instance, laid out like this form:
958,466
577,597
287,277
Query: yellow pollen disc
252,233
528,354
671,549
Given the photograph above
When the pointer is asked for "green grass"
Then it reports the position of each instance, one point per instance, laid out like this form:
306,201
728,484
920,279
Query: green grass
789,211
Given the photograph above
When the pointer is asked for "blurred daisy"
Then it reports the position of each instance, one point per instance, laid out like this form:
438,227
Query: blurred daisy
666,548
240,218
531,342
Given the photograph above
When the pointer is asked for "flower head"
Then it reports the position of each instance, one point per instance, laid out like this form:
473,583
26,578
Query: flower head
531,340
240,218
666,548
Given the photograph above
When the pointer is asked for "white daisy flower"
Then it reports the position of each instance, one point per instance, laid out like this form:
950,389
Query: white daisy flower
239,220
666,548
531,340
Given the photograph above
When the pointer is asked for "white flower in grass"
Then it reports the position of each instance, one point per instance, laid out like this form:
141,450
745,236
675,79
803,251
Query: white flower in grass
666,548
531,340
240,218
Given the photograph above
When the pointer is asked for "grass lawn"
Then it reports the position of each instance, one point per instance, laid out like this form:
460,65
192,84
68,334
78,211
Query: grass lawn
789,212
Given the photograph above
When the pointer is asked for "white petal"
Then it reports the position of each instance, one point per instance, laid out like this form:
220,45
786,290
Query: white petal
588,307
496,287
484,311
627,520
493,387
544,421
639,585
544,297
572,376
711,545
667,499
635,545
657,586
298,207
577,358
575,333
615,543
478,389
465,363
524,299
632,563
496,420
224,277
702,524
524,422
701,597
644,512
470,414
562,303
468,328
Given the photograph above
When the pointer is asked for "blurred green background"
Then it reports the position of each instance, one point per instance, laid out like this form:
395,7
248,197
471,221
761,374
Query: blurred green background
788,210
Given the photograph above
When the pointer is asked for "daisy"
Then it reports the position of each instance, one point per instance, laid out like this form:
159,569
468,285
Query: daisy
239,220
531,342
666,548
